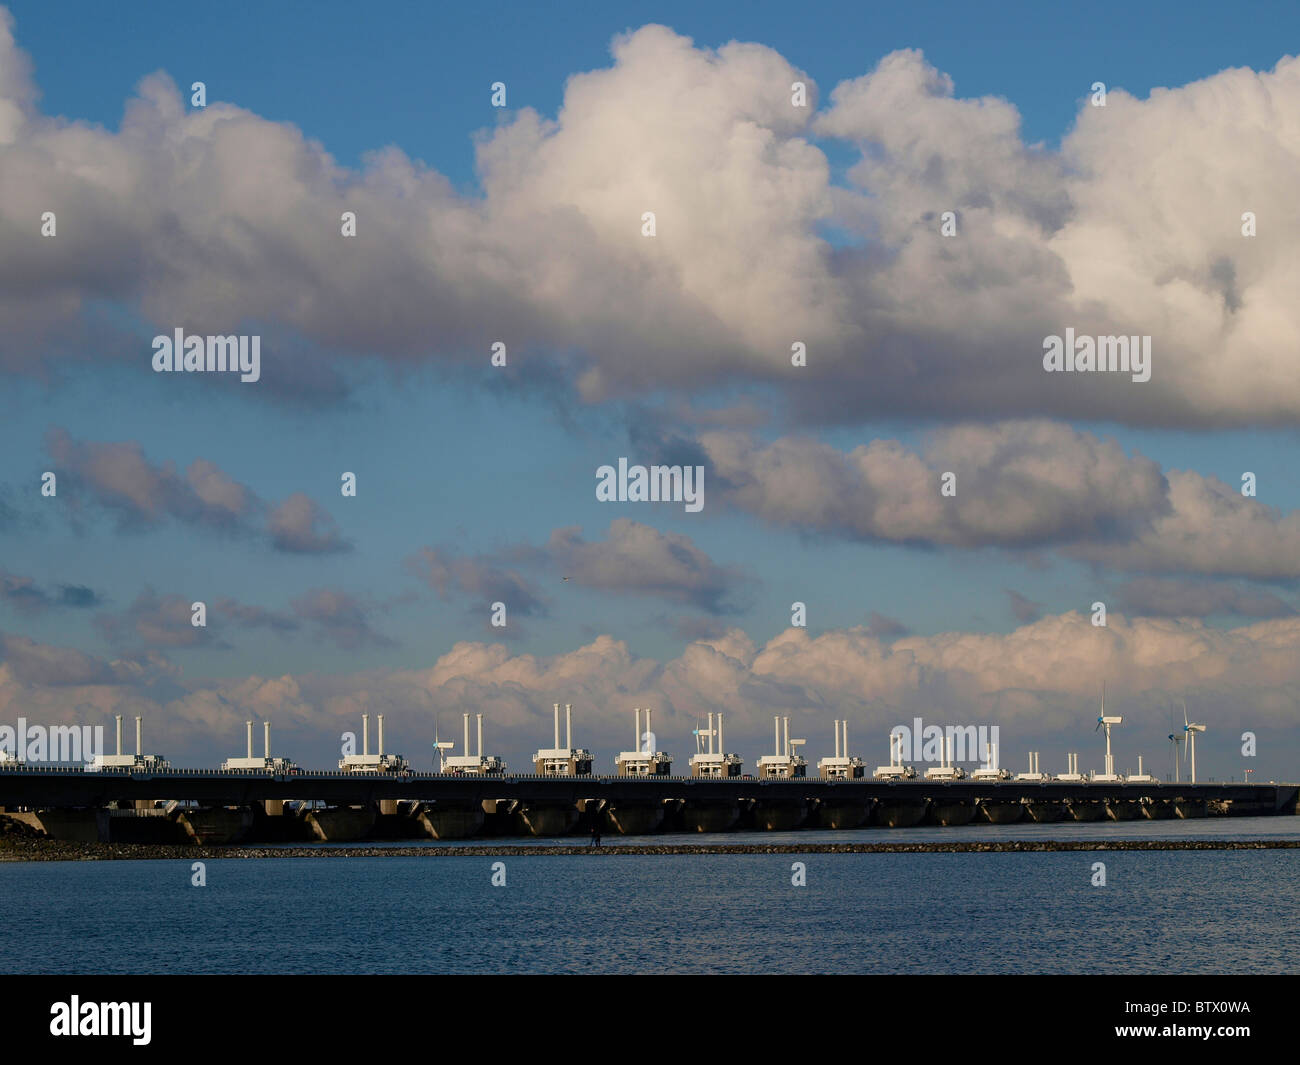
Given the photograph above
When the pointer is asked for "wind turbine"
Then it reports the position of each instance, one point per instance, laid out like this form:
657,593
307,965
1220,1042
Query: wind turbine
439,746
1107,721
1191,728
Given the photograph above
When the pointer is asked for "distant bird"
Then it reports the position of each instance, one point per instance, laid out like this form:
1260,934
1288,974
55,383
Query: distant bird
565,578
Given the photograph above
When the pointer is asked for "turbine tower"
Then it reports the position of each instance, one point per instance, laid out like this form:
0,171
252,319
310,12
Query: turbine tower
1191,728
1107,721
441,747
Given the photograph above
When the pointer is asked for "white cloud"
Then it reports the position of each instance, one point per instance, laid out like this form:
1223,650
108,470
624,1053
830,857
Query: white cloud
214,217
1040,680
1018,484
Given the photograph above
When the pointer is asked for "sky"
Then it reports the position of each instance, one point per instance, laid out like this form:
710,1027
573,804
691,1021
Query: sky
774,225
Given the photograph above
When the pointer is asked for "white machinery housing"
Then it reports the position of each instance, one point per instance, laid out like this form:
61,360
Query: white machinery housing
641,761
895,770
709,759
365,762
137,761
842,766
785,763
265,764
467,764
566,761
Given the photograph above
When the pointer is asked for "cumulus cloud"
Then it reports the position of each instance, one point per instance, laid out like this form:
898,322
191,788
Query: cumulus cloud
213,217
1048,240
1210,528
118,477
154,621
28,597
175,219
633,558
640,559
481,579
1017,484
301,526
331,615
1038,682
341,618
1163,597
46,666
1021,484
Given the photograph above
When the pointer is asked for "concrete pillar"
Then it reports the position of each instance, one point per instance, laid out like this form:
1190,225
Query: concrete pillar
139,737
568,726
557,727
266,739
381,734
480,735
365,733
119,733
248,728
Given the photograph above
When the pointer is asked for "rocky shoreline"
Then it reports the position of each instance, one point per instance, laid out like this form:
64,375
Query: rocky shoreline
36,849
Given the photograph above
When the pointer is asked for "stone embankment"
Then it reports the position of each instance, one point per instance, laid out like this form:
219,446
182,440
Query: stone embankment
22,847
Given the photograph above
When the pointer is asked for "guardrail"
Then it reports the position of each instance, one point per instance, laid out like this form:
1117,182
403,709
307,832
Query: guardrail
513,778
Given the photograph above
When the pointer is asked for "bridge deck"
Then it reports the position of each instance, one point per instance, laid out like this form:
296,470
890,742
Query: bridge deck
53,786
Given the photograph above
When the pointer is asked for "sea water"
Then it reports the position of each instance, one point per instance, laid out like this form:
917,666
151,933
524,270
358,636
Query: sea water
1044,912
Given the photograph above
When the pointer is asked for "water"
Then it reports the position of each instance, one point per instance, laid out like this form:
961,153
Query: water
1160,912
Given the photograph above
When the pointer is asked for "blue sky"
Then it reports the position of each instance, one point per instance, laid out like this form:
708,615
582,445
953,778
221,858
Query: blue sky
449,457
422,87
